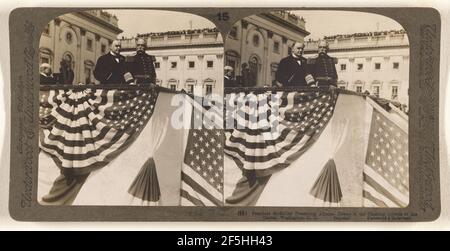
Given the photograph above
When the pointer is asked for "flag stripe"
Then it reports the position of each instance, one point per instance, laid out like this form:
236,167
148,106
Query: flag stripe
186,200
374,193
190,173
195,196
200,189
382,190
376,202
369,172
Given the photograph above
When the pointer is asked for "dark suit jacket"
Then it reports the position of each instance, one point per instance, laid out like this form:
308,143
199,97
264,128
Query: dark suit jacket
229,82
47,80
323,69
290,73
109,71
142,67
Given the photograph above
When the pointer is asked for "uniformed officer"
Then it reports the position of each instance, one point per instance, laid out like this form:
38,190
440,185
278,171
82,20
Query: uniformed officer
323,66
141,65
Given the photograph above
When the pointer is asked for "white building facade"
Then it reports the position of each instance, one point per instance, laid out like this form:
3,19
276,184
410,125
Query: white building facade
262,41
191,59
81,36
376,62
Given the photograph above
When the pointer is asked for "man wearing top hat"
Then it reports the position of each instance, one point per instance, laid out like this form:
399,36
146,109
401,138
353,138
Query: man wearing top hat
323,66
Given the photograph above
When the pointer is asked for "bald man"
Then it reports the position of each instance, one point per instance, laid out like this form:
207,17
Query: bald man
141,65
292,70
110,68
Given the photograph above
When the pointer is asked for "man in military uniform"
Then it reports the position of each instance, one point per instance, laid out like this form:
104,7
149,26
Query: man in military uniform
292,70
323,66
141,65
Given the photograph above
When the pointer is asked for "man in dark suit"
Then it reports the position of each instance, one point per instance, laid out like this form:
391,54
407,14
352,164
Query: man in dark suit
228,80
292,70
141,65
323,66
110,68
46,75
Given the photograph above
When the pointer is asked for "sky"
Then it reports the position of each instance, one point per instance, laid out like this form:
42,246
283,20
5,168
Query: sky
144,21
318,23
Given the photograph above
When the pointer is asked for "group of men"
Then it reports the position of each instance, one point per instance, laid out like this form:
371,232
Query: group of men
295,70
115,69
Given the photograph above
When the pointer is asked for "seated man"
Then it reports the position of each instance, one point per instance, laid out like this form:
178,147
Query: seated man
46,75
228,80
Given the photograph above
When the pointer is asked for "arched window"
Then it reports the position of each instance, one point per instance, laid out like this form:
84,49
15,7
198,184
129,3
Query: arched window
255,40
376,88
358,86
45,56
342,84
172,84
88,72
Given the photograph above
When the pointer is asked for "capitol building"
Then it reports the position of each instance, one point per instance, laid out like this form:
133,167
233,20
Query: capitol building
374,62
82,37
193,60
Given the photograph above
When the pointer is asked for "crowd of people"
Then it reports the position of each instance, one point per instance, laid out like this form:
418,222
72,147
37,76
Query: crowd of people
366,34
178,32
111,68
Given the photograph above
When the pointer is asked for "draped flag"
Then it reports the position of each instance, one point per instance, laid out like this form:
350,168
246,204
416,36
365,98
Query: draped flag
202,169
272,131
386,169
84,130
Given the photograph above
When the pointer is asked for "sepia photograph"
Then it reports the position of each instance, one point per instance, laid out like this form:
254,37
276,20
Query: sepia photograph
318,108
111,85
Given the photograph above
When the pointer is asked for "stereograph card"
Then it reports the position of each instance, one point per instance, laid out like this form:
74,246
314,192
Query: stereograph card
225,114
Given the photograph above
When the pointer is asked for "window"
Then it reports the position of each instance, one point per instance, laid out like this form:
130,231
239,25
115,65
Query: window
276,47
45,60
173,87
376,90
233,32
359,89
342,87
190,88
45,56
69,37
191,64
157,65
343,67
89,44
103,48
173,65
395,65
256,40
377,66
87,74
394,92
208,89
46,30
359,67
209,64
